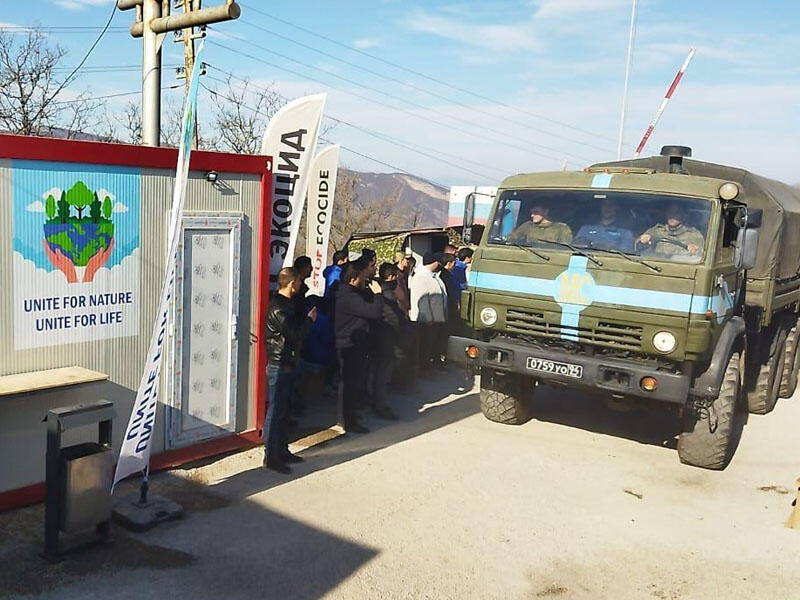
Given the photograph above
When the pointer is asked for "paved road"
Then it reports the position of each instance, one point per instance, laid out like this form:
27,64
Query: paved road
445,504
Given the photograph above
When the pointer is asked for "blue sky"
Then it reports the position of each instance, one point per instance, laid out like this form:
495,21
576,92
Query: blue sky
547,74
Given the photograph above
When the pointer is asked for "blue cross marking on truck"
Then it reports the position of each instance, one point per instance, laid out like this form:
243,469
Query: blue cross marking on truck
575,290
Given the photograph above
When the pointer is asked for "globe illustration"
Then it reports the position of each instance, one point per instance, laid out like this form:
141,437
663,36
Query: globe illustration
79,224
78,241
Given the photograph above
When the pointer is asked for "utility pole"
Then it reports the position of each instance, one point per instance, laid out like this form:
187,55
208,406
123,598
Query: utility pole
151,75
153,20
188,37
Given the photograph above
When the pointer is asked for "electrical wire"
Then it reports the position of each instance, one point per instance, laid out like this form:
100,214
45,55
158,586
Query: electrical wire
89,51
424,76
413,146
396,108
116,95
58,29
356,152
412,86
413,104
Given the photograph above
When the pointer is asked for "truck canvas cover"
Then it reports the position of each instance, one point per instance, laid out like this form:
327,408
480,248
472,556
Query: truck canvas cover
779,242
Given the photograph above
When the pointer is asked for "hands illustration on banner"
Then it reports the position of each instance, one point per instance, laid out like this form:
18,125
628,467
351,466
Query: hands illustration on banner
64,264
98,260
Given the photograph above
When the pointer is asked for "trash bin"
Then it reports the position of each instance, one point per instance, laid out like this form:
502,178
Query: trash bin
78,480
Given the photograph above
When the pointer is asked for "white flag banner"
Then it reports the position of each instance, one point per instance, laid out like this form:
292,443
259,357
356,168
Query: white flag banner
135,453
290,138
321,192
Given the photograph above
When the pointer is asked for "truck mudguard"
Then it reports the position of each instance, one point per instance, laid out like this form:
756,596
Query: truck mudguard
707,384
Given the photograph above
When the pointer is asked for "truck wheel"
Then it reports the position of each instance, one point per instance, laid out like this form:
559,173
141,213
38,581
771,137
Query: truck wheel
765,374
791,364
504,398
711,432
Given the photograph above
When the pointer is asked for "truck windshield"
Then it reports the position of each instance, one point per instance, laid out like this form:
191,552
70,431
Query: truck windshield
666,228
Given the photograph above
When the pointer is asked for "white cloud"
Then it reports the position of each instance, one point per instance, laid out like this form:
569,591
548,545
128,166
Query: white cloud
561,8
119,207
36,206
81,4
497,37
365,43
55,192
102,193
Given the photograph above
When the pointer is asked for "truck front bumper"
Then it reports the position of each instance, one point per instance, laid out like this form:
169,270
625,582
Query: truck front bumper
611,375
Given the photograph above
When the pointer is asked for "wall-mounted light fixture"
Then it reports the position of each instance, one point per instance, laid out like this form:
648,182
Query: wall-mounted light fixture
212,176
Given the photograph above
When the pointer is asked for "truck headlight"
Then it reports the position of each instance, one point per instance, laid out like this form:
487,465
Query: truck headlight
488,316
664,342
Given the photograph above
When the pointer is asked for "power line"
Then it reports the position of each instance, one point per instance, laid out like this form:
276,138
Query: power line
424,76
412,86
116,95
59,29
414,146
396,108
90,50
413,104
112,68
391,166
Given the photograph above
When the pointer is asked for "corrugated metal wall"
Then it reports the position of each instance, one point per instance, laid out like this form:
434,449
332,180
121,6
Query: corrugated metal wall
123,358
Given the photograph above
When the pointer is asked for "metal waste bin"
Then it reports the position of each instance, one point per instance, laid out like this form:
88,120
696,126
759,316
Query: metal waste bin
78,477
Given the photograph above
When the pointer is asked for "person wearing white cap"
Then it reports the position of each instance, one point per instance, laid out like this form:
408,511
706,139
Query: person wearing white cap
428,307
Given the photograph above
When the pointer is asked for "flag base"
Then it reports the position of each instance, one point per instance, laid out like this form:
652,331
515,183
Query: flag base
130,513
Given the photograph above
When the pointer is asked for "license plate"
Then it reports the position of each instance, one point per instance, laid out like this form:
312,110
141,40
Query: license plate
555,367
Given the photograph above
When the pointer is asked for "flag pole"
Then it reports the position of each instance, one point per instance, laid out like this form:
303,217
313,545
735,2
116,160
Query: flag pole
631,37
664,103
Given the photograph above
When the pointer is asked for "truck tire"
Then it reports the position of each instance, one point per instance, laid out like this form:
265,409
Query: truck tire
504,398
710,435
765,371
791,364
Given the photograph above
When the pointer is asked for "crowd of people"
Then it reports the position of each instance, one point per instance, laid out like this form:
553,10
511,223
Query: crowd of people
376,328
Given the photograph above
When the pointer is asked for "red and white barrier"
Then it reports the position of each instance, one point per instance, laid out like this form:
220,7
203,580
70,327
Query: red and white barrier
664,102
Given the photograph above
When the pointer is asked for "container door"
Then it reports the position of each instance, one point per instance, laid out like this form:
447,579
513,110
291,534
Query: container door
206,312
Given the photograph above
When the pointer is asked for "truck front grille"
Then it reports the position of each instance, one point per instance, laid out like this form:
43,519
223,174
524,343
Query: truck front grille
603,333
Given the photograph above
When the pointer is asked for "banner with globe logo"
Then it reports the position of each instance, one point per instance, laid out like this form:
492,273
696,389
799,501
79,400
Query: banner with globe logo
76,252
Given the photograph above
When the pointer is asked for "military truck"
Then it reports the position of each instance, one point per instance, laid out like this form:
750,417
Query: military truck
661,279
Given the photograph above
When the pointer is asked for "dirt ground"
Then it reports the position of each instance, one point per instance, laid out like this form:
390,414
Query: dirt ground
582,502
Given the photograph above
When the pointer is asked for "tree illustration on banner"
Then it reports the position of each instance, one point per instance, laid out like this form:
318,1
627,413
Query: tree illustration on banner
73,238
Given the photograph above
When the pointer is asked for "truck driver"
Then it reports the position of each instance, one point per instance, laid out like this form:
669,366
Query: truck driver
541,229
608,232
674,236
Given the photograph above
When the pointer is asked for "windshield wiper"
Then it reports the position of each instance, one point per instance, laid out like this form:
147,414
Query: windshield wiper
574,249
630,257
532,251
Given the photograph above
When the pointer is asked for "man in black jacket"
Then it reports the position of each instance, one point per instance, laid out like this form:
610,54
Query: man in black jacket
357,307
284,333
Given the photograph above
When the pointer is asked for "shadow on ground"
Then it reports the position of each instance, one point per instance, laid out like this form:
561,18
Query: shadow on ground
261,553
655,424
437,403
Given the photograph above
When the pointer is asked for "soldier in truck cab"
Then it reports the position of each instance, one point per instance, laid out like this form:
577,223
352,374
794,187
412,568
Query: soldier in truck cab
674,236
608,232
541,229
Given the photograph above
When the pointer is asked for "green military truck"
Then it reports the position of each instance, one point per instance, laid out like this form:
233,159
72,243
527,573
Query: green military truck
664,279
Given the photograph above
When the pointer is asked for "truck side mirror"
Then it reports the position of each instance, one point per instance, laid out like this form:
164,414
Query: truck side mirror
753,218
469,218
746,248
